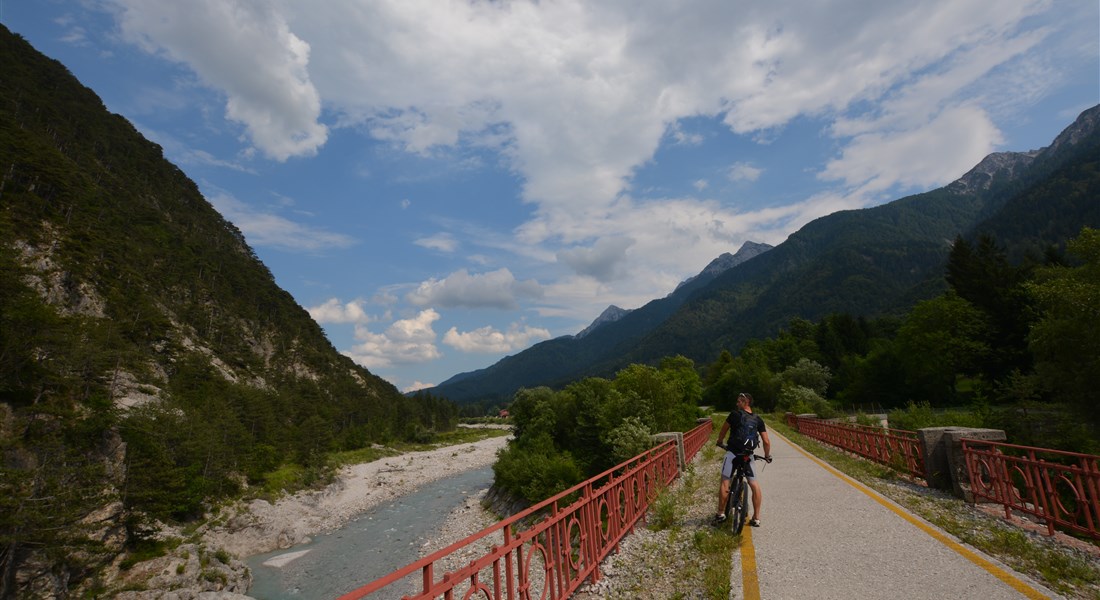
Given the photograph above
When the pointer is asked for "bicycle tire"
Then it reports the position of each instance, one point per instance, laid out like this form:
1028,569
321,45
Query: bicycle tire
740,500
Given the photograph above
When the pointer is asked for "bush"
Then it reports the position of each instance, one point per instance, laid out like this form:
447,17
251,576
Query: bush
535,471
920,415
800,400
629,439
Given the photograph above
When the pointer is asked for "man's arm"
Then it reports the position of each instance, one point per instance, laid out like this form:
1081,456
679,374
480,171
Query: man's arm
767,444
722,432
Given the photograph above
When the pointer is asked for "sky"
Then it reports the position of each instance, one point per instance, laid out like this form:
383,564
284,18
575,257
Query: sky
442,183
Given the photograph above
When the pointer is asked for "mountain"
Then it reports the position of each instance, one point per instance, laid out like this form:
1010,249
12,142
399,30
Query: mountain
149,363
871,262
609,315
560,360
727,261
715,268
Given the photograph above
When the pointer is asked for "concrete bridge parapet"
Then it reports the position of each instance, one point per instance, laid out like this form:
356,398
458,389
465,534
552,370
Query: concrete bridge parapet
944,463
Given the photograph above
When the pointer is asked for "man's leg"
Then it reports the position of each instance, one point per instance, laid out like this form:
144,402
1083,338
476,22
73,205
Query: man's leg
723,492
757,498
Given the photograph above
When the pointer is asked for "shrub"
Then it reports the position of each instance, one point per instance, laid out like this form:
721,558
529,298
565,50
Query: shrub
629,439
920,415
799,400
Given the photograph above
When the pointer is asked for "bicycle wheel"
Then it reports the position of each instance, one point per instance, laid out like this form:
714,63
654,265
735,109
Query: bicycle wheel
739,501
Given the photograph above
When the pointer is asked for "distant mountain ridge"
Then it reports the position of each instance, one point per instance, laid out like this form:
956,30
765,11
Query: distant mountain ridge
715,268
727,261
873,261
560,360
609,315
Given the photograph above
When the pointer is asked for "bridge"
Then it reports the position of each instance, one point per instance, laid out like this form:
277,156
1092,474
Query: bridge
819,525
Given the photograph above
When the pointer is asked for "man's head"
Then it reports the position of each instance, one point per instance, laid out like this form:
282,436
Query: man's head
744,400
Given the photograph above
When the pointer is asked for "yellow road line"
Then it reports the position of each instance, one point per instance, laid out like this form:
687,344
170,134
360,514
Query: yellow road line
750,583
993,569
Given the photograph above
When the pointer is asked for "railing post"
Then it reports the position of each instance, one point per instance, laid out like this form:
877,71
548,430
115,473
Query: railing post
428,578
1048,494
681,455
944,465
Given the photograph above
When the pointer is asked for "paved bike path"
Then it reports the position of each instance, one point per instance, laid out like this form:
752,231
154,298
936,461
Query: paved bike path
826,536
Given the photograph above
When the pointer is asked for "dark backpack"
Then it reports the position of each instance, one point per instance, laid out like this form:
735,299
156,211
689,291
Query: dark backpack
743,437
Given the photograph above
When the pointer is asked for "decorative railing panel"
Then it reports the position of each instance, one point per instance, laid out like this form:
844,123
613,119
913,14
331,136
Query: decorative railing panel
896,448
550,558
1062,492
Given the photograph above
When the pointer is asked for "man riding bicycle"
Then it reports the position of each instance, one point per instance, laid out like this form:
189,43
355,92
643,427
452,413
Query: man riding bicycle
744,428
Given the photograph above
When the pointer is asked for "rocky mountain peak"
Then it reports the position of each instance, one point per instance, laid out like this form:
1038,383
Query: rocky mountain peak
1008,164
1085,125
1004,164
610,314
727,261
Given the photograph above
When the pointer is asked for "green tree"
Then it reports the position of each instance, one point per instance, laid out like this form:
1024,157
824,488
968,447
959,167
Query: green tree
940,339
809,374
1066,338
982,275
748,372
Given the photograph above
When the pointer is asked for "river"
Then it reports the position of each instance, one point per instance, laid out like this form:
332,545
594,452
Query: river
377,543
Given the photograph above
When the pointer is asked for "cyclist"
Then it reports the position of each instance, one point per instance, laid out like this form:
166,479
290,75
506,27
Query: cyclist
745,428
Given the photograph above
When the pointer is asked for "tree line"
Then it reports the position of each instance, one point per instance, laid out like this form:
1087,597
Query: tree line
1019,343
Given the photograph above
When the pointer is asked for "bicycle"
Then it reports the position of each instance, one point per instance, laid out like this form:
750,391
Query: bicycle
737,502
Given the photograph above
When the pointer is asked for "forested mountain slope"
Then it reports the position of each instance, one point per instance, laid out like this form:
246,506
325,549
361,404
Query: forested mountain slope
881,260
148,361
870,262
558,361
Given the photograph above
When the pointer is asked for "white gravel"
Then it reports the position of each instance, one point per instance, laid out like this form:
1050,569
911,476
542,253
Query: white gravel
260,526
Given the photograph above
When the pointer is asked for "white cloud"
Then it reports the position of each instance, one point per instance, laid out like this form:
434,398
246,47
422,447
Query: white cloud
682,138
922,156
247,51
272,231
443,242
605,260
415,386
742,171
495,289
407,341
577,97
333,311
489,340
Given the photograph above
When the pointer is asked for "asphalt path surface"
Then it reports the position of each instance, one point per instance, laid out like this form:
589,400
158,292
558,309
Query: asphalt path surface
825,536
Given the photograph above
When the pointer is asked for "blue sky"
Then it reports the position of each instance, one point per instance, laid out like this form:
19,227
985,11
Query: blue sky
442,183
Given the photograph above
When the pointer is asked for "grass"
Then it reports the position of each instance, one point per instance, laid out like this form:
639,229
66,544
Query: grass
713,548
1059,568
716,547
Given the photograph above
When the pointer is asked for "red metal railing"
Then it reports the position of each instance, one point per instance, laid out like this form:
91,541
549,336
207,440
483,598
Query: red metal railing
1061,494
553,557
896,448
695,439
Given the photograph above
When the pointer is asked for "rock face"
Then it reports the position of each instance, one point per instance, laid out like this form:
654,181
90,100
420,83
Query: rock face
190,572
998,164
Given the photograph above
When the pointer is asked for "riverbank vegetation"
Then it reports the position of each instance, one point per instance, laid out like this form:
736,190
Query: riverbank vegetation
564,437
